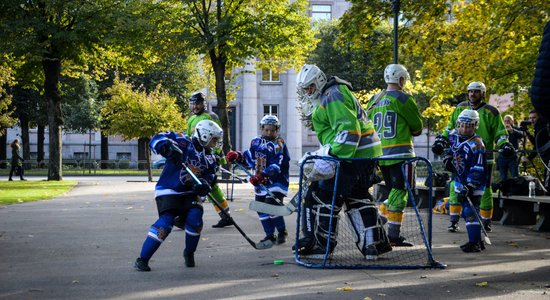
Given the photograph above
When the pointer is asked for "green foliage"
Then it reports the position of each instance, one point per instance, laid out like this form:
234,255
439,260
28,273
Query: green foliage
137,114
80,107
6,112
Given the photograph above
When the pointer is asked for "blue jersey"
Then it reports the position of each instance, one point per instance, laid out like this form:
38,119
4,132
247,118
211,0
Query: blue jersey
470,162
263,153
174,179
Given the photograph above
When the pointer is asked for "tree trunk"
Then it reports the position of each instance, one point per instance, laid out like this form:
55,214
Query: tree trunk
218,64
148,159
52,71
3,152
143,145
24,122
105,151
40,146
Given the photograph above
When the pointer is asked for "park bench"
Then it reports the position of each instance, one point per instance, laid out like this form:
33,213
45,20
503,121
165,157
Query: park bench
522,210
421,195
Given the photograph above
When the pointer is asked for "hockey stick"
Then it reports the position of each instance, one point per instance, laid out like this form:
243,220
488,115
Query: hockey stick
259,246
233,175
259,184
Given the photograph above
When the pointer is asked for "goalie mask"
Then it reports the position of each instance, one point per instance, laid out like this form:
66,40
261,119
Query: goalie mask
206,131
309,84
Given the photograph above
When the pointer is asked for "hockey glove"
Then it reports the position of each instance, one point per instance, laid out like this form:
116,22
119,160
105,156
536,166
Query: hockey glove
202,189
507,150
440,144
272,170
171,151
448,163
234,156
257,179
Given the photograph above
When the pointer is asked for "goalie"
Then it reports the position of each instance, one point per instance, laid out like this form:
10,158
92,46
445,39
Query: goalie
340,124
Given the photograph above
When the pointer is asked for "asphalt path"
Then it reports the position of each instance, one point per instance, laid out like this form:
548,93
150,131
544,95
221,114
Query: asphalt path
83,244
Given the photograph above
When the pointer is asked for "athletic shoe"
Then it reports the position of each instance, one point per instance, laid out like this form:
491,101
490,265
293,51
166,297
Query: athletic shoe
271,238
222,223
481,245
470,247
383,247
189,259
371,253
453,227
281,237
487,226
400,242
142,265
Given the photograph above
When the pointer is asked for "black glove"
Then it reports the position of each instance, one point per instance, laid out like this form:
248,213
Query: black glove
440,144
448,163
507,150
468,190
171,151
202,189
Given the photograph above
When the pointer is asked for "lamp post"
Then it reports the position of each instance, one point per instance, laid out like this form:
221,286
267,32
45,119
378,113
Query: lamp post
395,6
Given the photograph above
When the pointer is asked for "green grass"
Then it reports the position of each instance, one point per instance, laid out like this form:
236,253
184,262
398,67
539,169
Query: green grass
86,172
12,192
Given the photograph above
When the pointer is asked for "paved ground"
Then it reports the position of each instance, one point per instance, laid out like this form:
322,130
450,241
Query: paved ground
82,245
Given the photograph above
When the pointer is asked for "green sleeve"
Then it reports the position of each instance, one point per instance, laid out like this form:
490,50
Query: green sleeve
414,119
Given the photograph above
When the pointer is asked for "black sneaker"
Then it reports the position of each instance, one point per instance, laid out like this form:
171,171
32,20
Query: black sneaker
222,223
400,242
470,247
281,237
371,253
142,265
487,226
453,227
189,259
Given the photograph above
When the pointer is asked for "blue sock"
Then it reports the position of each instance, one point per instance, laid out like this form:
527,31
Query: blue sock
150,246
267,224
279,223
474,232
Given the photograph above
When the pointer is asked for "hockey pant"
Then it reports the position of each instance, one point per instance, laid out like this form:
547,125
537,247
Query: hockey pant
366,225
485,206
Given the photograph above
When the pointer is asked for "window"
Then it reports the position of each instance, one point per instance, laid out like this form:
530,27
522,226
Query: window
270,75
123,155
321,12
271,110
80,155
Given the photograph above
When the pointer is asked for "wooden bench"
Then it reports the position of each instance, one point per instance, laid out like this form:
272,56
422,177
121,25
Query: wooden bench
522,210
421,194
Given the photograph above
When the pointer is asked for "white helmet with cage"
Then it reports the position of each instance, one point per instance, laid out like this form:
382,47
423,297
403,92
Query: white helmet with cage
270,120
206,130
394,72
477,86
468,117
310,77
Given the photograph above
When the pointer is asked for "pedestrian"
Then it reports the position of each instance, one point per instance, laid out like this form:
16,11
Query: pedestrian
343,131
197,104
397,119
510,164
176,193
268,157
16,160
492,131
466,159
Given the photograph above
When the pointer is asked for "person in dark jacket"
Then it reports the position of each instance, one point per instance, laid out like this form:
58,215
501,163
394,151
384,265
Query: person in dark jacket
540,87
16,160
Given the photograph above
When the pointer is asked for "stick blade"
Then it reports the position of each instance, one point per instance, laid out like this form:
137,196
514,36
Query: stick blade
264,245
270,209
487,240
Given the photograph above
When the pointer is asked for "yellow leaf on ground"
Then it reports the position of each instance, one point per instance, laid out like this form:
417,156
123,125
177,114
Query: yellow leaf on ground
482,284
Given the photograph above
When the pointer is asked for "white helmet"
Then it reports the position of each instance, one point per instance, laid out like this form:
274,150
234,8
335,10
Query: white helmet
206,130
270,120
394,72
310,74
468,117
477,85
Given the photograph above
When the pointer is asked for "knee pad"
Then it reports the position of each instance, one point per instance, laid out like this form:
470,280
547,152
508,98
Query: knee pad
161,228
365,224
468,213
193,222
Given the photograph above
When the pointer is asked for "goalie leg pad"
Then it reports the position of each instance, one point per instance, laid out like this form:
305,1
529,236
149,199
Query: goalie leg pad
366,225
322,216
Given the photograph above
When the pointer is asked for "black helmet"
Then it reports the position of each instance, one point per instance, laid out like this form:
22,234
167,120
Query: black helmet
197,97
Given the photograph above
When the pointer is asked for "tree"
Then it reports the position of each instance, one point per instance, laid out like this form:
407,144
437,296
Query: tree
276,33
138,114
69,36
6,111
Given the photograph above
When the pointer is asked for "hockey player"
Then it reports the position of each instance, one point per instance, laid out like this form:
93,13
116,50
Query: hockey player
342,128
268,157
197,105
466,158
396,119
176,193
492,131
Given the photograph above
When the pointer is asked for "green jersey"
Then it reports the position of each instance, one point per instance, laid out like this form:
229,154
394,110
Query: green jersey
194,119
396,119
491,128
341,122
